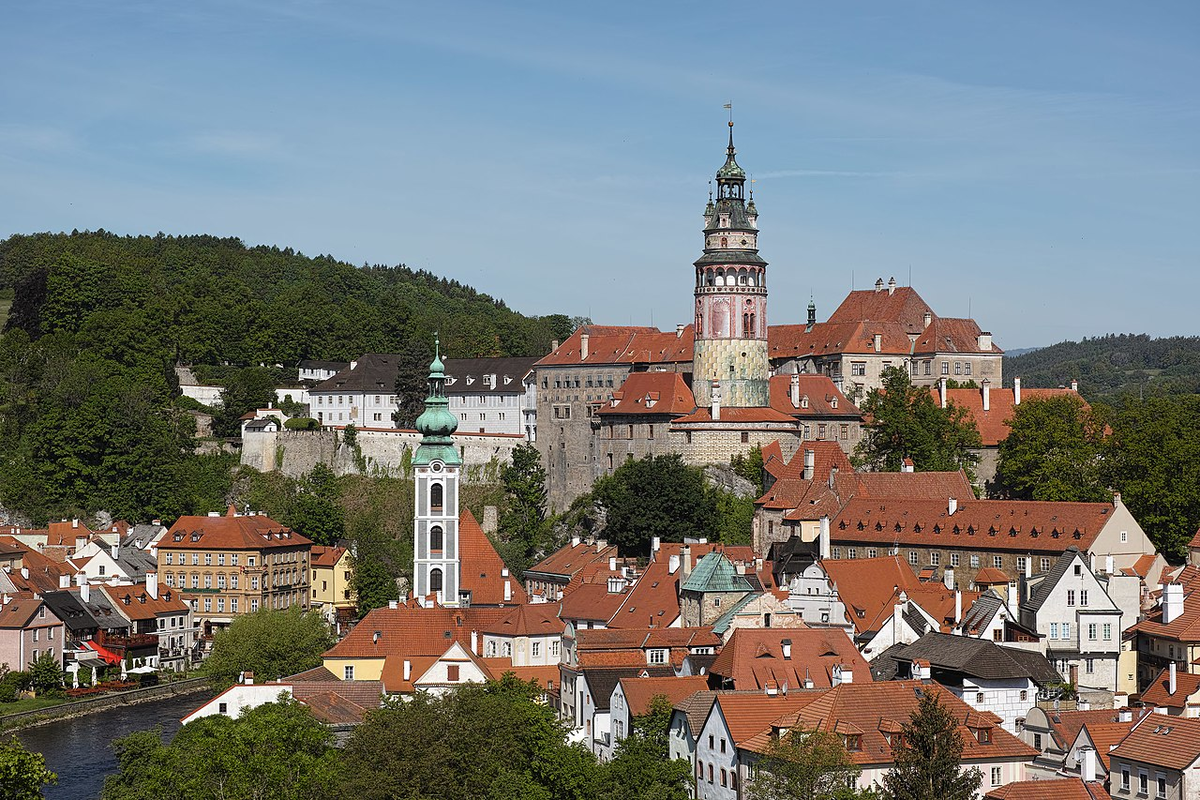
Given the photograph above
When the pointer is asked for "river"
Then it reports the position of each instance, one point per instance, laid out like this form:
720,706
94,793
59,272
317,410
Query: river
80,749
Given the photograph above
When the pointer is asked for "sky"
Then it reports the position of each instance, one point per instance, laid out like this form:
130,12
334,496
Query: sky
1033,165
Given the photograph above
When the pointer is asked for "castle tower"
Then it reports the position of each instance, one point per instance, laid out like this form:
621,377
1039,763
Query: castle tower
437,464
731,298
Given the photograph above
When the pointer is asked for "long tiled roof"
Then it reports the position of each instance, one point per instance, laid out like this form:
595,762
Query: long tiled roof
993,423
19,611
136,603
831,338
869,586
323,556
640,691
1065,725
614,344
978,658
985,524
569,559
753,658
952,335
481,569
592,601
408,631
902,305
1158,693
650,393
241,532
540,619
823,397
602,680
1056,788
1164,741
747,715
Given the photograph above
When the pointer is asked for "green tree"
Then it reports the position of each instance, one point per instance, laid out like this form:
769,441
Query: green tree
906,422
806,765
271,644
655,496
524,533
22,773
412,382
642,767
46,674
1153,459
277,750
1054,451
750,467
928,757
492,741
315,511
246,390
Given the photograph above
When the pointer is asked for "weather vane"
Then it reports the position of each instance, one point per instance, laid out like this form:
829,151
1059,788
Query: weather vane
729,107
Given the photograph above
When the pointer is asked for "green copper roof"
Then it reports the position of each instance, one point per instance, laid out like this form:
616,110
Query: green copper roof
436,424
731,169
715,573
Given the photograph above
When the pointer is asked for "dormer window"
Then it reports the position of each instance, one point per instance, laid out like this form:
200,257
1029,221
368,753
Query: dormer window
853,742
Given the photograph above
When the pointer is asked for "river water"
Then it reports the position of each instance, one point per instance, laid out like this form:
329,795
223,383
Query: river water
80,749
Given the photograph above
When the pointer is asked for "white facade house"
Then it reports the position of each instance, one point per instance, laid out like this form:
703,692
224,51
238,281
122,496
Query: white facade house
1082,625
812,595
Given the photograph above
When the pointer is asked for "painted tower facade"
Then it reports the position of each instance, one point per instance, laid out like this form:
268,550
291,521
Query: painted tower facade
731,298
437,466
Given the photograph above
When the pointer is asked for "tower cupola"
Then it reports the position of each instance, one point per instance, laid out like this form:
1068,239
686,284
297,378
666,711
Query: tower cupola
436,424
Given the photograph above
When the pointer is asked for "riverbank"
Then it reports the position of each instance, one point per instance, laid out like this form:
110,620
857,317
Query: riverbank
95,705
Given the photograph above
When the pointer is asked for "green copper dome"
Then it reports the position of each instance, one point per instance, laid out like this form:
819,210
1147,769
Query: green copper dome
436,424
731,169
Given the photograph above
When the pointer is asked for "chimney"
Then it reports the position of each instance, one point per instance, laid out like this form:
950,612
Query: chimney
1108,565
879,284
1171,679
942,391
85,590
248,678
907,465
716,400
475,642
612,563
655,544
1172,602
957,607
951,506
1028,567
808,681
75,523
601,544
1125,714
584,340
1017,391
877,342
795,388
810,464
115,551
1074,385
553,345
64,581
897,621
891,286
985,342
508,591
987,395
832,475
928,318
152,585
1087,764
407,670
25,573
841,674
948,578
672,564
393,605
679,330
823,538
574,541
786,644
921,669
685,560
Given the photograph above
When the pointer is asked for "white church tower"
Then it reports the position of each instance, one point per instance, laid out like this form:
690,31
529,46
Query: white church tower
437,464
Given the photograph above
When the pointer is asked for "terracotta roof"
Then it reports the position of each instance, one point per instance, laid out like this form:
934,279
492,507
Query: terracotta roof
619,639
539,619
902,304
1163,741
820,392
928,485
481,567
649,393
314,674
392,675
591,601
747,715
1105,736
773,461
993,423
613,344
1022,525
364,694
791,488
829,338
1065,725
413,631
1158,694
20,610
44,573
753,658
695,709
241,532
1057,788
730,414
1195,542
654,599
989,576
569,559
868,705
323,556
333,709
140,605
1184,628
869,587
602,680
951,335
640,691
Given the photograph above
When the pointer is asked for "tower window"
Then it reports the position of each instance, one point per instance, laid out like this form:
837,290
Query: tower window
435,580
436,540
435,497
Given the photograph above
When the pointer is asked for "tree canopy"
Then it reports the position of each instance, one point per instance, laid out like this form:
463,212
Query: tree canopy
655,496
271,644
928,757
524,531
1054,451
904,421
641,767
22,773
806,765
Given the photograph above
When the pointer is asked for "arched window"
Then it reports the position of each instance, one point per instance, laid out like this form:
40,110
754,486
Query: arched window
435,538
435,580
435,497
724,241
720,277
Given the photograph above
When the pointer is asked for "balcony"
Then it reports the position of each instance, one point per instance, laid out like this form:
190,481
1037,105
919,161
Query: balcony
131,642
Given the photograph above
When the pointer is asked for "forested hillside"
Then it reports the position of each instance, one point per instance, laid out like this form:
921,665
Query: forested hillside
1109,366
89,415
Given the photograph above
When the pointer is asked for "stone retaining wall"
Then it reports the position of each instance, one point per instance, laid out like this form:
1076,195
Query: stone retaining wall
93,705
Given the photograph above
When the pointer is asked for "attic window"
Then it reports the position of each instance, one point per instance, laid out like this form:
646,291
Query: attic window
983,735
195,536
853,742
916,527
937,528
842,525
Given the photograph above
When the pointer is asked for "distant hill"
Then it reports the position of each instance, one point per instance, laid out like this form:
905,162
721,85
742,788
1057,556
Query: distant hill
1020,351
1113,365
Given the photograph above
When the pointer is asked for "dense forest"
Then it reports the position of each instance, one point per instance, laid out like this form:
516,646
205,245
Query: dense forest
90,417
1113,365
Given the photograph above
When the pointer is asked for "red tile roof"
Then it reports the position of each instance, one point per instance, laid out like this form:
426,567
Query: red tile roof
640,691
591,601
747,715
990,576
1057,788
753,658
927,485
1105,736
408,631
654,599
1157,693
818,390
241,532
649,393
951,335
1161,740
993,423
323,556
141,605
1065,725
20,610
829,338
902,305
987,524
538,619
613,344
869,587
1184,628
569,559
481,568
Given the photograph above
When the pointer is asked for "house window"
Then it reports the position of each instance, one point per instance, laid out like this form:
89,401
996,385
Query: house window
208,604
1045,564
222,708
233,605
997,562
995,776
1037,741
945,367
935,559
954,559
1066,630
436,540
208,559
1125,778
195,580
233,581
1021,562
220,559
1161,781
745,437
452,673
821,431
435,580
170,579
958,368
1083,597
1070,597
1143,782
658,656
554,648
220,605
195,560
169,557
913,558
535,649
1091,633
974,561
1108,631
102,568
436,496
724,777
1024,695
1090,666
836,552
853,552
979,698
872,552
348,672
249,561
1053,630
858,368
1124,537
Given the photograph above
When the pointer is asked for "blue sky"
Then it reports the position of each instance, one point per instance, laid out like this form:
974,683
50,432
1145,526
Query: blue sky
1036,164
